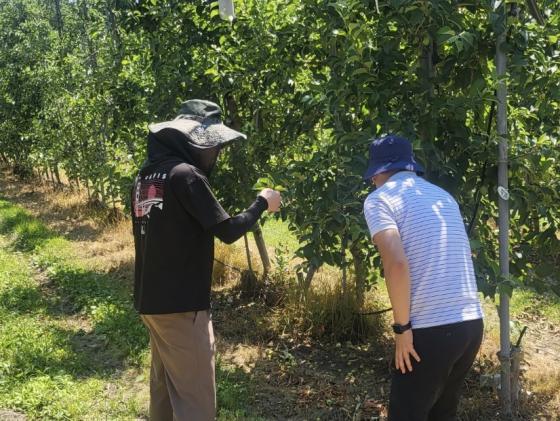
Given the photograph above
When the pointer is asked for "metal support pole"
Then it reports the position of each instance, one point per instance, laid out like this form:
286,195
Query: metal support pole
502,129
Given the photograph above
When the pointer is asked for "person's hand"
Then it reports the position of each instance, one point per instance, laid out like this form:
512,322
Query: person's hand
403,350
273,198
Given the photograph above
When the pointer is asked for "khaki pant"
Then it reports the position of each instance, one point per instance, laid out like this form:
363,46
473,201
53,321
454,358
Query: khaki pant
182,381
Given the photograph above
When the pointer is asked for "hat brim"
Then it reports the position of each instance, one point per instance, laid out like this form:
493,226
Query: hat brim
201,135
378,168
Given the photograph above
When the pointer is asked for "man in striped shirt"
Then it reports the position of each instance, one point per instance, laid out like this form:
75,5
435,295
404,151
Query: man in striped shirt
419,232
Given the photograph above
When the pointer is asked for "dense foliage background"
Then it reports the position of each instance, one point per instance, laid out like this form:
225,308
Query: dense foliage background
309,81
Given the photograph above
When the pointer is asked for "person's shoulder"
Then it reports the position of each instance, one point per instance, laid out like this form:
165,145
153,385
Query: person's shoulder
186,172
434,193
373,196
385,192
375,199
182,168
438,190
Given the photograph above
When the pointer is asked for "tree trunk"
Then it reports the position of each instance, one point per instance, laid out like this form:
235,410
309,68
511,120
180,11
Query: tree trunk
248,253
428,68
344,268
305,283
84,15
249,283
114,202
114,30
58,17
53,178
50,178
516,357
231,106
344,279
57,175
102,192
359,273
427,128
263,252
309,277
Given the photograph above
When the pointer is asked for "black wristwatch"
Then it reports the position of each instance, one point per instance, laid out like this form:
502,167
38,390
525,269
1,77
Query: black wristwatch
398,329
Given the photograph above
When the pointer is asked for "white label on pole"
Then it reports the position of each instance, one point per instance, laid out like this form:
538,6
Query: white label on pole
503,192
495,4
226,10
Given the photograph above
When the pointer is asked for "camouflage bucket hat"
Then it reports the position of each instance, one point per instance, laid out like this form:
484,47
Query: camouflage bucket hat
201,122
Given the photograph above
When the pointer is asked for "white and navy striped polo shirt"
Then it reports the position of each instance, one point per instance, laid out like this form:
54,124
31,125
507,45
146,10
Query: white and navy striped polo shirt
442,282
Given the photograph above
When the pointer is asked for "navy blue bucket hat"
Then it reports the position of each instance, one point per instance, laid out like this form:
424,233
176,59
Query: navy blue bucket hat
390,153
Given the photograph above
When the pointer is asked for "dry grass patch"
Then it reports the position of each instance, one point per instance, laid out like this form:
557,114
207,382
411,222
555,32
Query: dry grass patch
242,356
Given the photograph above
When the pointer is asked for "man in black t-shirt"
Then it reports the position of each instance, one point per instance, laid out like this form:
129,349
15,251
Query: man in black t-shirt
175,219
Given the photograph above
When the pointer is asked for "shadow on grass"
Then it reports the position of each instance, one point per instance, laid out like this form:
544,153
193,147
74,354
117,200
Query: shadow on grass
101,345
69,218
26,231
107,304
235,394
67,289
32,348
21,299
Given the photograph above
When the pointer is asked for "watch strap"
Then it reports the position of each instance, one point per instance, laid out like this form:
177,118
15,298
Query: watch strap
398,329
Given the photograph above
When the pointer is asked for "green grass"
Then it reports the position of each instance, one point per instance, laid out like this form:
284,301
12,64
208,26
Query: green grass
71,346
65,344
278,236
530,302
233,394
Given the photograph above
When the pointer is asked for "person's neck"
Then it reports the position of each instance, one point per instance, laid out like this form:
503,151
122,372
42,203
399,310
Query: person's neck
382,178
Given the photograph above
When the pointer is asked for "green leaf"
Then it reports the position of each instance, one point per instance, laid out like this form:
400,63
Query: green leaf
545,269
263,183
443,34
211,71
505,287
475,244
361,71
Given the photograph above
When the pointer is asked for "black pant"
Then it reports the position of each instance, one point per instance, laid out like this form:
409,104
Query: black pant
431,391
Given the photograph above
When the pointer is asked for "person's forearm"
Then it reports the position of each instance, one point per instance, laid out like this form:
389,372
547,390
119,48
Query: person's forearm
397,279
230,230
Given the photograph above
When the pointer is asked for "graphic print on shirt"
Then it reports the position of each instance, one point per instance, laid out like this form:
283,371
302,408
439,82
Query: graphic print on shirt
148,193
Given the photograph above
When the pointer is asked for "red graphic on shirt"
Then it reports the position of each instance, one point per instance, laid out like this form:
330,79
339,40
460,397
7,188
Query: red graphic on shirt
148,193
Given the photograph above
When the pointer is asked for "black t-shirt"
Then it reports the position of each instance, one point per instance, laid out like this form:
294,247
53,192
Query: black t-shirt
173,209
